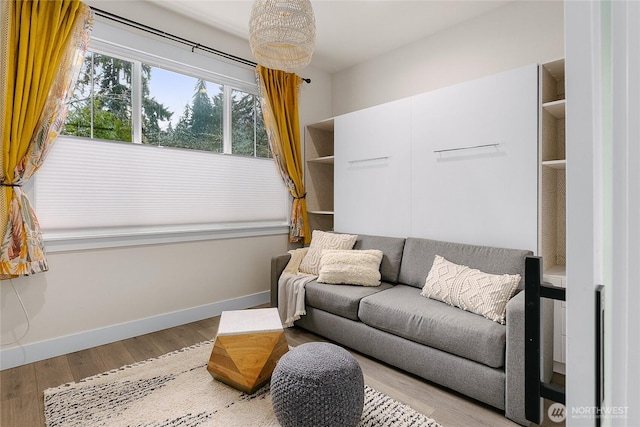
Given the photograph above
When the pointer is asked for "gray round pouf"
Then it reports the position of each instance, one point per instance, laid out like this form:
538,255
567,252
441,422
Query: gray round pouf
317,384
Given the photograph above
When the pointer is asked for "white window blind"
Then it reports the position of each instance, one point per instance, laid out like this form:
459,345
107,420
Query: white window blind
89,185
96,193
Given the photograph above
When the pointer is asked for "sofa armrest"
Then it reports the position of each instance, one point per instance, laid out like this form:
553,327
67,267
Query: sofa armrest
278,264
514,361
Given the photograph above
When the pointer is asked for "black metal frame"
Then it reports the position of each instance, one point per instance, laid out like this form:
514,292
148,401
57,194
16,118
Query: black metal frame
599,352
534,388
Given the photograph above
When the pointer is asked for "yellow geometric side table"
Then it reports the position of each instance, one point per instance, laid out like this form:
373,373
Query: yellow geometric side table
247,347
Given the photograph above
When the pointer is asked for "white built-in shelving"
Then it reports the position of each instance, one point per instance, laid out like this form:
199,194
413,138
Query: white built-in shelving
553,165
319,160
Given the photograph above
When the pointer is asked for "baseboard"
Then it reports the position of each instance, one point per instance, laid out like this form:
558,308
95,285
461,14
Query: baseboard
29,353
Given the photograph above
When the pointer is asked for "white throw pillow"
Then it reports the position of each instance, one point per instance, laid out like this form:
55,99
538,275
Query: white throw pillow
350,267
322,240
469,289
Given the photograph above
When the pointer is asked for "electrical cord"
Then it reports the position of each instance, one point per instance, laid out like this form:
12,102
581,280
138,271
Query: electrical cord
26,315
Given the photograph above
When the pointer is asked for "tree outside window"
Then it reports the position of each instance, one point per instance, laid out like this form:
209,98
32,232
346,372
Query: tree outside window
177,110
248,134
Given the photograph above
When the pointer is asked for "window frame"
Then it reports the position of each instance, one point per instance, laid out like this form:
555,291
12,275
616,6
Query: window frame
125,54
131,45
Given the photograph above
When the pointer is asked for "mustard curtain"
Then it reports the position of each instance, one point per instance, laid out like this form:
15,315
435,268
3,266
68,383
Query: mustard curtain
43,49
280,110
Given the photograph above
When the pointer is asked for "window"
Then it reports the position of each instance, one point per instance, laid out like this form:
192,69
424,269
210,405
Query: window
176,110
158,142
182,111
248,134
101,103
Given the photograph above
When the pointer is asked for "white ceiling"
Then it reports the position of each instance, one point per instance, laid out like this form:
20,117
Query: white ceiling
348,32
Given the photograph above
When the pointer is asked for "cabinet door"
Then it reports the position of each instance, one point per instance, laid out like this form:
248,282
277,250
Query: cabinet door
372,170
485,195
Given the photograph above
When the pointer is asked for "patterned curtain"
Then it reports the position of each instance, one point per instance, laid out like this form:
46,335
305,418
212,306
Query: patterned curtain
43,46
280,110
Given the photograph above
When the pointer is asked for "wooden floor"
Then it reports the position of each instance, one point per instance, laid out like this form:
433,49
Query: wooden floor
21,388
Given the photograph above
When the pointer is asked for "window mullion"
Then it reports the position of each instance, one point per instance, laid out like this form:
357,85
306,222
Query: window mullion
136,102
255,126
226,120
92,94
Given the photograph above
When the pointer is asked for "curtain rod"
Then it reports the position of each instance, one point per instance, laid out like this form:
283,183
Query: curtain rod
164,34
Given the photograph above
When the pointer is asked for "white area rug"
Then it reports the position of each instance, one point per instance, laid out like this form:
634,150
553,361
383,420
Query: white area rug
177,390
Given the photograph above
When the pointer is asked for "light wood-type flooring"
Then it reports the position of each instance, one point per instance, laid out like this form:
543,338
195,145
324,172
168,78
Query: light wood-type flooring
21,388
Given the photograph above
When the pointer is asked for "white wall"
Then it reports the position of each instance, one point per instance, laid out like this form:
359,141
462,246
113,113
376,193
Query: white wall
518,34
96,296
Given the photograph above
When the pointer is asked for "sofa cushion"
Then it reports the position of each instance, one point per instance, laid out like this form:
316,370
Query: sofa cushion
324,240
342,300
391,248
350,267
419,254
401,311
470,289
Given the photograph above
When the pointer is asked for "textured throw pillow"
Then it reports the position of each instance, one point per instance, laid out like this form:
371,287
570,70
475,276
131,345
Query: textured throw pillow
322,240
350,267
469,289
297,255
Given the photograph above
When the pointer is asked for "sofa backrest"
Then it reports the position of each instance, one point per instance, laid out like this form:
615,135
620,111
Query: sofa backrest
391,248
419,254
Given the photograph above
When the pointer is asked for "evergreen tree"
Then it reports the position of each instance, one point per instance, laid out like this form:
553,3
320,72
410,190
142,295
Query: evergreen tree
248,132
182,136
200,126
153,112
101,108
206,125
262,139
102,100
242,121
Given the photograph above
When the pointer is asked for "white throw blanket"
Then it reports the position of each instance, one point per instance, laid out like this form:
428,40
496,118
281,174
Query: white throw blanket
291,289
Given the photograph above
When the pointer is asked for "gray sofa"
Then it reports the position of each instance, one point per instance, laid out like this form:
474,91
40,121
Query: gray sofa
443,344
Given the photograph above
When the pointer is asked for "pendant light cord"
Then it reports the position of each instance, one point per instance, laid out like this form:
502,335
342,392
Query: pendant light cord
26,315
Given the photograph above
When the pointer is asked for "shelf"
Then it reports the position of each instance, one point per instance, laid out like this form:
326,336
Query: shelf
556,108
318,174
552,79
555,164
556,270
325,159
321,212
552,244
556,69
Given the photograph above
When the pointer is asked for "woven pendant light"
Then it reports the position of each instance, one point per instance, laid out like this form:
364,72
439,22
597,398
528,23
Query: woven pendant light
282,33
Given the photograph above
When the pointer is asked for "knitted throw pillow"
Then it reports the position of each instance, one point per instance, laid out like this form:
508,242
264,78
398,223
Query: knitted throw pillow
470,289
350,267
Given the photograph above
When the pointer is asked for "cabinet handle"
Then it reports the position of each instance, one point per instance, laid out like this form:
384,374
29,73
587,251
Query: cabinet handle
466,148
368,160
